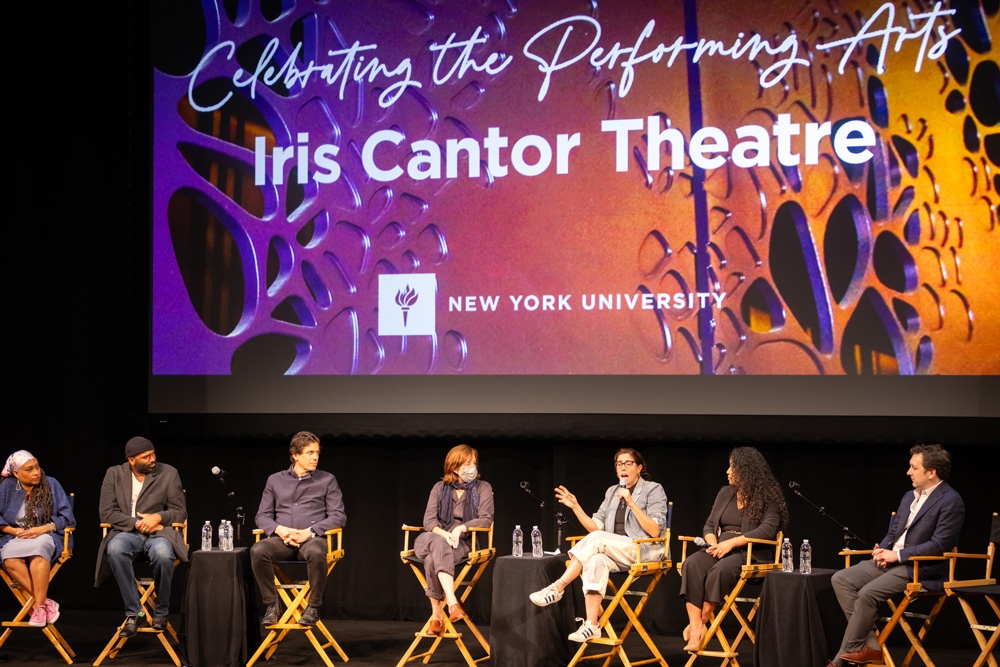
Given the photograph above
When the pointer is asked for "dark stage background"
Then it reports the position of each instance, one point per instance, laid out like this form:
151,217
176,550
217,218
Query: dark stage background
76,254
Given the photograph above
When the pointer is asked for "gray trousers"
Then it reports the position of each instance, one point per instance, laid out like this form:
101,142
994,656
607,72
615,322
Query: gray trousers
860,588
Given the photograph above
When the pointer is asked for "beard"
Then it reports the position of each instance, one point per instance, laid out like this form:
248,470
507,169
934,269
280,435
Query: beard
144,468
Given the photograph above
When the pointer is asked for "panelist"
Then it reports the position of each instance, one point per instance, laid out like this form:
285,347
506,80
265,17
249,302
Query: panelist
141,498
458,502
298,506
635,508
752,505
34,514
927,523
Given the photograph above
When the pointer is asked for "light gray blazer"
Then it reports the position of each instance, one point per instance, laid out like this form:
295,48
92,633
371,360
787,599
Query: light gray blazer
651,499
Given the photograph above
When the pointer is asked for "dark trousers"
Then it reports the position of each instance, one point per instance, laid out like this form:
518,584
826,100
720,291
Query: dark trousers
265,553
707,578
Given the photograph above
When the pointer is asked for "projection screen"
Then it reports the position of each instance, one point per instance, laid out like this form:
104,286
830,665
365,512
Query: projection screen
560,206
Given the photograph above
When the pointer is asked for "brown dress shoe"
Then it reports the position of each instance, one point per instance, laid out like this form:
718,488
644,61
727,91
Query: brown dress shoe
455,612
864,656
436,627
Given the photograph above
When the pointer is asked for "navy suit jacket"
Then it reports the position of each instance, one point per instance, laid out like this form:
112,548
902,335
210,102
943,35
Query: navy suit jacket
934,530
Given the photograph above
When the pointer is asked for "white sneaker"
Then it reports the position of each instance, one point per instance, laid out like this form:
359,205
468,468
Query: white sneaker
586,632
546,596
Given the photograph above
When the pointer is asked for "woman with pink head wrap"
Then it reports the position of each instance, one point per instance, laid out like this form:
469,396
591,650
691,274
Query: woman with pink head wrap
34,513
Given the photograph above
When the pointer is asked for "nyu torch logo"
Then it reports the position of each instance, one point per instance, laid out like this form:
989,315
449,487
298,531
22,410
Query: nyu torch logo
405,298
406,304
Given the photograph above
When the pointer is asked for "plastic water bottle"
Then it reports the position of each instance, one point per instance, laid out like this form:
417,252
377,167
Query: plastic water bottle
206,536
805,558
536,543
229,536
787,559
222,535
518,549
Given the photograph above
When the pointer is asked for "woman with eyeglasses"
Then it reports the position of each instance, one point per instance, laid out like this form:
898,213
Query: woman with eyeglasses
752,505
634,508
458,502
34,512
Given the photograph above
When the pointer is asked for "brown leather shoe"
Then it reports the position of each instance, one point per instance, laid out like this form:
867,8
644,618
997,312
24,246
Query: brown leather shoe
455,612
436,627
864,656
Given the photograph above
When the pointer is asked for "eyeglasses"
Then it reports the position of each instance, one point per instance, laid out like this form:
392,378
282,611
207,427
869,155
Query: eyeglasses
624,464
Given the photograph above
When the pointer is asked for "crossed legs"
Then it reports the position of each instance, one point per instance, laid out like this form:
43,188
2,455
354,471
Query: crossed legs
32,575
704,583
439,567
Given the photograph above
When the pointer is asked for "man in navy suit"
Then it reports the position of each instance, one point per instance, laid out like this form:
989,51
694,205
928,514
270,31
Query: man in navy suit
298,506
927,523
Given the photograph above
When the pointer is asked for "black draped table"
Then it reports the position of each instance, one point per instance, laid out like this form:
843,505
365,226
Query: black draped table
219,617
521,634
800,623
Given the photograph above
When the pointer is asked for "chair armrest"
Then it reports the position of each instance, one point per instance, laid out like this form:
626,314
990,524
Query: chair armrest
105,527
760,540
684,540
66,553
917,560
647,540
954,554
848,553
339,532
183,528
406,538
489,536
573,539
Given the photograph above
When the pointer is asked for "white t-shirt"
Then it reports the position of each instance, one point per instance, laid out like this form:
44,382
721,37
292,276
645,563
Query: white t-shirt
136,490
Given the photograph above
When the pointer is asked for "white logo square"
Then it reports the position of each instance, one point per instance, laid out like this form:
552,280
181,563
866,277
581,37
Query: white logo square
407,304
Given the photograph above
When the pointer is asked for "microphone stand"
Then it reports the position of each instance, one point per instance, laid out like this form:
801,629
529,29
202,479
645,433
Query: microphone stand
849,535
561,519
241,515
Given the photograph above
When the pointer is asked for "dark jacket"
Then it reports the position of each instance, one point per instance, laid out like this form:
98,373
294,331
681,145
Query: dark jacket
313,501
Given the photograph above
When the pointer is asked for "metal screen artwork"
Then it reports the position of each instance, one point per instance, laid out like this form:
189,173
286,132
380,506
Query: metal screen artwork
576,187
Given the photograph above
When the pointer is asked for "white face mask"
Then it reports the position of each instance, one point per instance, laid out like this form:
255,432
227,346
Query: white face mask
467,473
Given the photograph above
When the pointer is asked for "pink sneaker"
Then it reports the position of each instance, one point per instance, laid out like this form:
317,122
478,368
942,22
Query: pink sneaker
37,619
51,611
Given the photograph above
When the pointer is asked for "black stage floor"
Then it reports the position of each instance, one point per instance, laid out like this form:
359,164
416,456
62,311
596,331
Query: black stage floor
367,644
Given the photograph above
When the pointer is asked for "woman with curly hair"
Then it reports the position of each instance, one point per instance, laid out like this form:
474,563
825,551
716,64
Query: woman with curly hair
34,512
751,506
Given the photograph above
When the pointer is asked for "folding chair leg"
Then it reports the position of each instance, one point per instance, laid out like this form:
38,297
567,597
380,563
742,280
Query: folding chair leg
987,646
263,647
319,648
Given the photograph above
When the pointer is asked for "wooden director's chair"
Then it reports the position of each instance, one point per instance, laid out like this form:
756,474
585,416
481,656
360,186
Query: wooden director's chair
899,606
750,573
652,571
473,566
147,598
27,599
294,593
986,588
